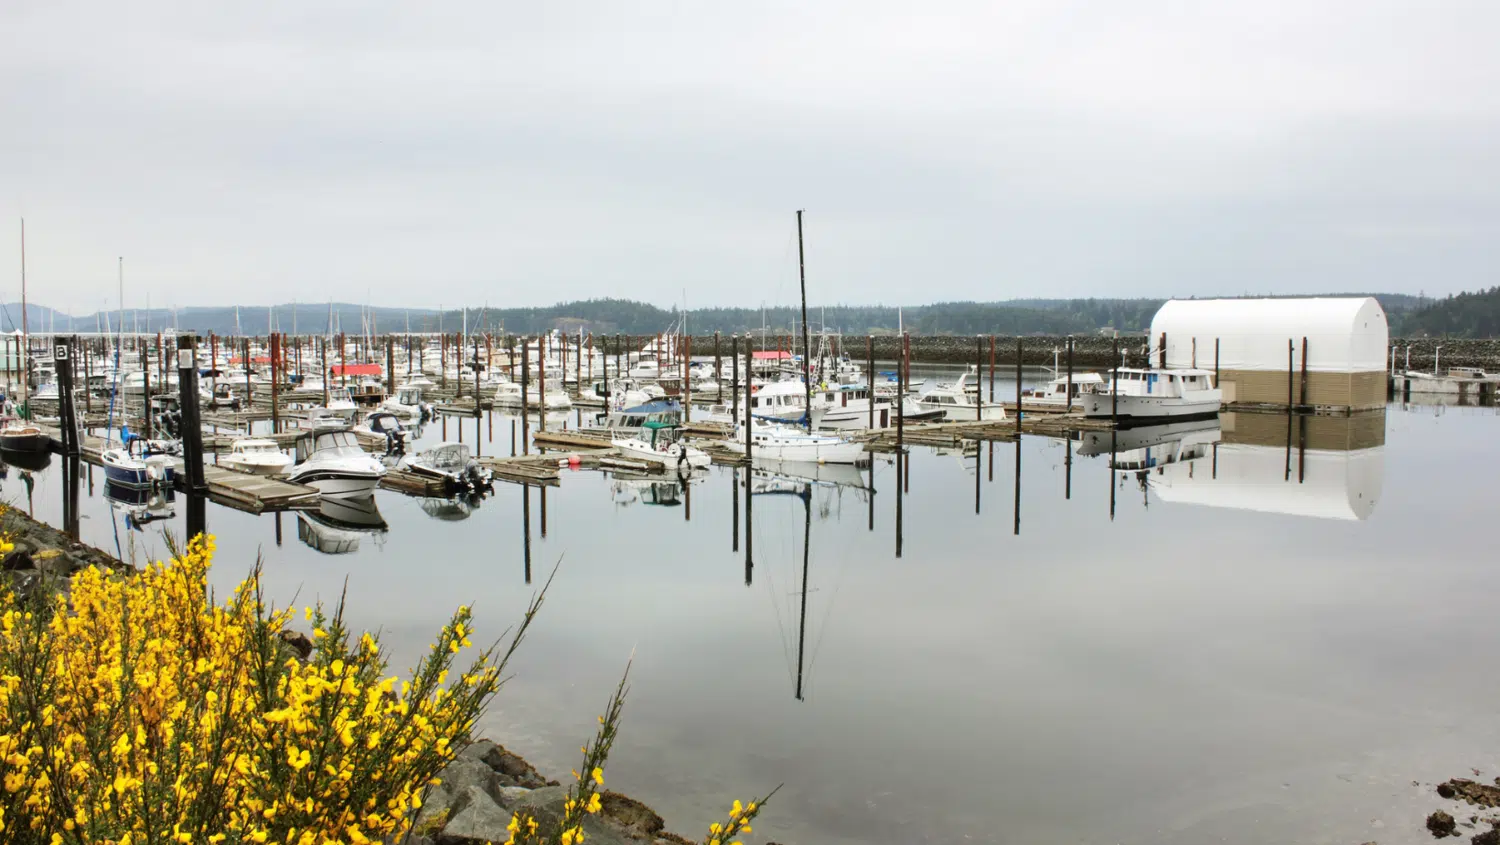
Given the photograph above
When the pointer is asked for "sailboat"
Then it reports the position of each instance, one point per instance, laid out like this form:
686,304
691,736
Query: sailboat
121,465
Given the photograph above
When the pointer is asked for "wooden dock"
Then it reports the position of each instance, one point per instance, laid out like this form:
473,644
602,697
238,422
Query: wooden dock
239,490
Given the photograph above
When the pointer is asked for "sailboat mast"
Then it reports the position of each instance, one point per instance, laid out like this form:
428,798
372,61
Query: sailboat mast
25,333
806,349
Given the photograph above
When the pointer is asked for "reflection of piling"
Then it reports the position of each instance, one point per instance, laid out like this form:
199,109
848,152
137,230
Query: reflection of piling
735,509
1068,471
526,528
72,470
1113,443
544,512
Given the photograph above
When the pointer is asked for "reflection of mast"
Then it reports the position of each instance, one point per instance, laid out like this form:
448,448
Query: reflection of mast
806,497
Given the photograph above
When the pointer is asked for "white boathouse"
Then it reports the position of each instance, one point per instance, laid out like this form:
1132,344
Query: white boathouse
1326,352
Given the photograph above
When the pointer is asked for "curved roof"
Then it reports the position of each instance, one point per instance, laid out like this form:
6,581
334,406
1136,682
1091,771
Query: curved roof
1344,334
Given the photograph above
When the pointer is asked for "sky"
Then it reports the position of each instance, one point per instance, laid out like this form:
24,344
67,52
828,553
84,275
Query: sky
466,152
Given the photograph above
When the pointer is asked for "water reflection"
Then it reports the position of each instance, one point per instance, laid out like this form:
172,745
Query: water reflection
339,524
141,506
1313,466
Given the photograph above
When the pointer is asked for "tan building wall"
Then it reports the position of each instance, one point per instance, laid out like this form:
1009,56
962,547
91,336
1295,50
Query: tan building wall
1355,391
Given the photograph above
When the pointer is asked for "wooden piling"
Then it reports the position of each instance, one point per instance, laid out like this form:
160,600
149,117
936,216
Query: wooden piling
734,386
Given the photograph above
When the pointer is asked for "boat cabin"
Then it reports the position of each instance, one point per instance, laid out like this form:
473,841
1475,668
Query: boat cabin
656,411
1168,383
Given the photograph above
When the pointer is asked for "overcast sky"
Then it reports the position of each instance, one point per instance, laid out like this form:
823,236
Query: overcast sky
463,152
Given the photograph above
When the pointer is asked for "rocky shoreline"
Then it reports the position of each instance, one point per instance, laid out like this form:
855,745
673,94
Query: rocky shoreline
44,558
486,784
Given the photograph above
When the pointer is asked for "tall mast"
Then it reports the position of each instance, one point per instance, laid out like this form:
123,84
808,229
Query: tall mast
806,349
25,333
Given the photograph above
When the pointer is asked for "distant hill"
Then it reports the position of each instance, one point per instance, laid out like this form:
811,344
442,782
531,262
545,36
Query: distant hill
623,316
1474,314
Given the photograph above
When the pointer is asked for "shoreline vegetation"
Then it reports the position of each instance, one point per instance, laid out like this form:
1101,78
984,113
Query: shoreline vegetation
136,707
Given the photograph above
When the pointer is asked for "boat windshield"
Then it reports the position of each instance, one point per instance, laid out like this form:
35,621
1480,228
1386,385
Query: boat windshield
337,441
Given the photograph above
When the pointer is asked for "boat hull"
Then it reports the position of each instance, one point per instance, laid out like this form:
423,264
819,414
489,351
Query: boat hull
1139,409
255,467
36,442
338,482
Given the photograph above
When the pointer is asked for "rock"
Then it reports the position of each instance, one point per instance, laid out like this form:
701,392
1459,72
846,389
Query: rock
631,815
17,560
476,819
513,770
1440,824
546,806
1463,789
299,643
1489,837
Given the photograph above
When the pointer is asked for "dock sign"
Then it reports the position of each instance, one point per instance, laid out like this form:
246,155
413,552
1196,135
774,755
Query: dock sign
60,352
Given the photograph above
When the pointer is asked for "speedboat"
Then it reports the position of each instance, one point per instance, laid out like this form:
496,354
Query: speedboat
408,402
337,466
780,442
257,457
388,425
1138,395
662,442
122,467
18,435
451,463
960,402
341,402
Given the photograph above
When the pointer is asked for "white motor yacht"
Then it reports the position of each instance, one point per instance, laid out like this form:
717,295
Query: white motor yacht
960,401
1158,395
257,457
338,466
407,402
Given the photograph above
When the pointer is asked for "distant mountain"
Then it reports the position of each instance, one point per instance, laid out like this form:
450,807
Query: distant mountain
623,316
1474,314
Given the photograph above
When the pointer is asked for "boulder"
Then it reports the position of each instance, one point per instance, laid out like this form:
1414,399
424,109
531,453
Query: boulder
476,819
1440,824
631,815
546,806
512,769
299,643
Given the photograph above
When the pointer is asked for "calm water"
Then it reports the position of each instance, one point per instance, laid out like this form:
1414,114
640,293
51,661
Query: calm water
1261,645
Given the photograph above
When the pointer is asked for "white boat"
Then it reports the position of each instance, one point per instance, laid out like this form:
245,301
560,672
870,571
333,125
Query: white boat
337,466
662,442
140,505
18,435
326,419
636,417
123,467
645,368
509,394
780,442
847,407
1155,395
388,425
408,402
780,401
448,462
1056,394
341,401
257,457
960,401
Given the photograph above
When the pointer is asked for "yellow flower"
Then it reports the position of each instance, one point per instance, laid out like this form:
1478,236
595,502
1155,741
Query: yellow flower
598,775
735,811
594,805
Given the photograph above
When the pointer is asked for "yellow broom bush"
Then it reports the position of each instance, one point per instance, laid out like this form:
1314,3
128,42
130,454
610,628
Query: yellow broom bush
141,711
